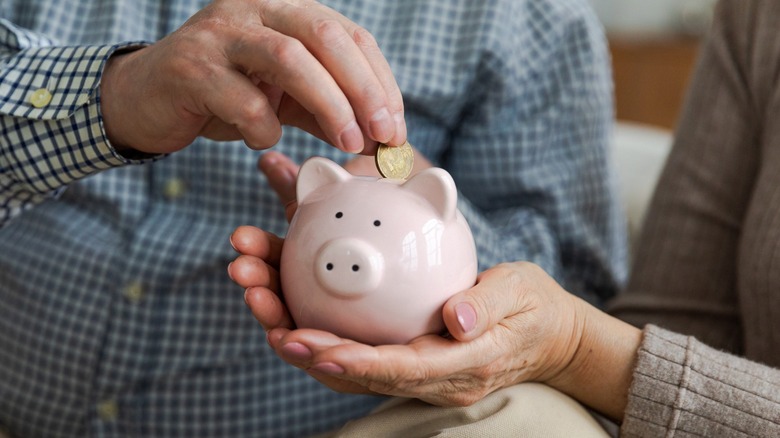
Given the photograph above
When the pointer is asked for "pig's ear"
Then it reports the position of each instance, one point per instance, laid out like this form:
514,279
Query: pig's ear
437,186
317,172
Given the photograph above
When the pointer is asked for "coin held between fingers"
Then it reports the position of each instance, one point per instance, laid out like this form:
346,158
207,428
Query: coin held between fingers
395,161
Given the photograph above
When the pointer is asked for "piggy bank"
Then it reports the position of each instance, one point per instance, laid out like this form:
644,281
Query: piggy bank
374,260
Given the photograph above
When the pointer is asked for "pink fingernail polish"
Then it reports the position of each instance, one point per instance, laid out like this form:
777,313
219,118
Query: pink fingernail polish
467,317
296,351
328,368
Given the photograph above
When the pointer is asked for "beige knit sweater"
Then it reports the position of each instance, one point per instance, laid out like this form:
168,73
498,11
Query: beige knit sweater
708,261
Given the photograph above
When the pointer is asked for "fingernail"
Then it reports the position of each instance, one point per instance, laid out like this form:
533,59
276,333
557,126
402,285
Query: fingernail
382,125
246,296
296,351
273,337
328,368
229,265
233,245
467,317
271,159
352,138
400,127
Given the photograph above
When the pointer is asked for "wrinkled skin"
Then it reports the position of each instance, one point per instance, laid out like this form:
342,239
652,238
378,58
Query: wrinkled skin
515,325
239,69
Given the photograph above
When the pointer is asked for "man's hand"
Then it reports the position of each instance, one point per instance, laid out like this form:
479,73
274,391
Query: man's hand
239,69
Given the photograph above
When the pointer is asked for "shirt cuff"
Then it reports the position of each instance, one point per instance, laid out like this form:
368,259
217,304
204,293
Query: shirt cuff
51,127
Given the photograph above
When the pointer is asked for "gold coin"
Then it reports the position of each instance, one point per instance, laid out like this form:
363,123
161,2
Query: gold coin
395,161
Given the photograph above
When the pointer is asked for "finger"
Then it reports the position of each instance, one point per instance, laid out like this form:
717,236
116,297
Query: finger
496,296
285,344
267,307
368,45
431,368
341,46
253,241
235,100
285,62
248,271
298,347
340,385
363,359
282,173
400,370
294,114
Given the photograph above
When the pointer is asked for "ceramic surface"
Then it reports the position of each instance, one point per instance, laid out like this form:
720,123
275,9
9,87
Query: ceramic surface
374,259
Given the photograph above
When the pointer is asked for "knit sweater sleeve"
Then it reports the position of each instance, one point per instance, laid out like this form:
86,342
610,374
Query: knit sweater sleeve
682,387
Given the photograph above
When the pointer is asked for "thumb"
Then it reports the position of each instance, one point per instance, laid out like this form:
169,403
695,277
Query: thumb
496,296
282,174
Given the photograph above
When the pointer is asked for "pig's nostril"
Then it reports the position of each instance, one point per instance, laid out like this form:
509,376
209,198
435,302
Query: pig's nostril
355,268
329,266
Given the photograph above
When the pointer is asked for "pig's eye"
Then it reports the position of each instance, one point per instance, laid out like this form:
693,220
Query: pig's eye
339,215
377,223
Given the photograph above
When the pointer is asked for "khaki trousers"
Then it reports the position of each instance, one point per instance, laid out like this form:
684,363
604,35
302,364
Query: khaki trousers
526,410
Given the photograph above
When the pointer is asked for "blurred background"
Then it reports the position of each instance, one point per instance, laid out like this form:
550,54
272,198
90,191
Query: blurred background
654,46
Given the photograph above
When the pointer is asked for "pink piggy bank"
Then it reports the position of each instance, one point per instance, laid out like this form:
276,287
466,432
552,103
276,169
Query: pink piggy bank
372,259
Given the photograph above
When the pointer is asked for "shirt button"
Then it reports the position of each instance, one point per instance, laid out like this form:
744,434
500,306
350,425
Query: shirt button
134,292
108,410
83,100
174,189
40,98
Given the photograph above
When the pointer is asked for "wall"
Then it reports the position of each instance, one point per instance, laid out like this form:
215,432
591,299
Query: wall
654,44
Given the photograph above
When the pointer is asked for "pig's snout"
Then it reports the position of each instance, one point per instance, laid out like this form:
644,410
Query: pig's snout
349,267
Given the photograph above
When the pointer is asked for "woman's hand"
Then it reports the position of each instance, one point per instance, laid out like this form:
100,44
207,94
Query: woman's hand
515,325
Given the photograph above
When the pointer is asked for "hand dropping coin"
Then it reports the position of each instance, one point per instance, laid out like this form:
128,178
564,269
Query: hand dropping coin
395,161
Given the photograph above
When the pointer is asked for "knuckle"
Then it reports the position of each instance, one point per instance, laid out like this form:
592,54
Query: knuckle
254,110
288,52
485,374
329,32
268,139
364,39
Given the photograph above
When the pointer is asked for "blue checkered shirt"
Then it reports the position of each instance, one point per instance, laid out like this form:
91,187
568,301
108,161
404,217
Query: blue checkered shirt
117,317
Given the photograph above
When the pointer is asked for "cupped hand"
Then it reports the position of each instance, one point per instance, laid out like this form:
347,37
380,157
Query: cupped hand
257,269
238,69
257,266
515,325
